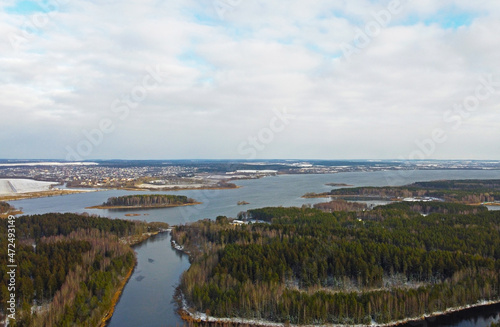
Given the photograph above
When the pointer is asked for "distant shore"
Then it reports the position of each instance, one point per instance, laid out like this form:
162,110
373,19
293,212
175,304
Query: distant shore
176,188
40,194
338,184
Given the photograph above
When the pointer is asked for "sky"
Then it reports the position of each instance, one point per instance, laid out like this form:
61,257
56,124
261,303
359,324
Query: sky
249,79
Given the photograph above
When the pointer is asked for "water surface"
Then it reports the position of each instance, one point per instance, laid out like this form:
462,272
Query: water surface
146,299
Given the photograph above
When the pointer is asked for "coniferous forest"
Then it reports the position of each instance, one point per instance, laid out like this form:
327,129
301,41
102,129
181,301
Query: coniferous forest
148,200
69,267
306,266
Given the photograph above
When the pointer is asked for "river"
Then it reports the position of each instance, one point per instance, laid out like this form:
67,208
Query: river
147,298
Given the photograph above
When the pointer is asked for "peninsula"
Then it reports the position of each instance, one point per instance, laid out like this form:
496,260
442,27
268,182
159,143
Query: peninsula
7,210
347,266
458,191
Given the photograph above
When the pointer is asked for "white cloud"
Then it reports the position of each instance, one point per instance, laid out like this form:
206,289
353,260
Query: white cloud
223,77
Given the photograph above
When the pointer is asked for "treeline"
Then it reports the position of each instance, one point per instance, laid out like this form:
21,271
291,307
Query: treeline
463,191
312,267
428,207
481,185
148,200
69,267
38,226
340,205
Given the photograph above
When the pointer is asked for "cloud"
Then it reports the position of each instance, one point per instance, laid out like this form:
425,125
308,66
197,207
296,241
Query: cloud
222,75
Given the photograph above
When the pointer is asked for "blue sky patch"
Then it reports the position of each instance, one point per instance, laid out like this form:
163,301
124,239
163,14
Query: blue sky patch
451,20
24,7
191,59
445,19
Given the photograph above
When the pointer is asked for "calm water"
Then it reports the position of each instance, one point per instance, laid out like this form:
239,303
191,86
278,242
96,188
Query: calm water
147,298
271,191
482,316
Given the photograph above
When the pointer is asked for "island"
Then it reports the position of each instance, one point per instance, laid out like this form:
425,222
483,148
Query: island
72,268
394,263
146,201
338,184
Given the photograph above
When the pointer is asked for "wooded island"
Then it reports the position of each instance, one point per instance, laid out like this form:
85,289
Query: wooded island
146,201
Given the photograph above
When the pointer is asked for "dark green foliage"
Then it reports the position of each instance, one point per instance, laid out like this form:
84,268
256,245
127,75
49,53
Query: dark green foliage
70,264
53,224
464,185
308,266
436,207
149,200
222,220
340,205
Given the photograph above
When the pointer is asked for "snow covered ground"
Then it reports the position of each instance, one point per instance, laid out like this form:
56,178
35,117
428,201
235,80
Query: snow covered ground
16,186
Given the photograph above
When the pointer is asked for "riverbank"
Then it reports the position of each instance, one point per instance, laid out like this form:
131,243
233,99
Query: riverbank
143,207
136,240
199,317
116,297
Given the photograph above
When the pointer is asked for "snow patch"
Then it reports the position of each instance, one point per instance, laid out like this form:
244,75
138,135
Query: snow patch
16,186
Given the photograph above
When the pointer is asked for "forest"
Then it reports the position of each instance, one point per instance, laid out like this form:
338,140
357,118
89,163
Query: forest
148,201
340,205
459,191
69,267
306,266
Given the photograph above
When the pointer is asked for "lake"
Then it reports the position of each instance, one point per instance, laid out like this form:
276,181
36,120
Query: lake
147,298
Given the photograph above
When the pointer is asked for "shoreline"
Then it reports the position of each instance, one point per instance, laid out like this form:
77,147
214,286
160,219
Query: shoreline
116,297
349,197
187,316
144,189
102,207
41,194
10,213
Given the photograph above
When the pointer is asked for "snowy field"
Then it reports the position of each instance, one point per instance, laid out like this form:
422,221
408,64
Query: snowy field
16,186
